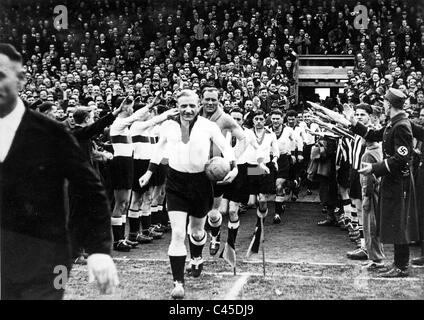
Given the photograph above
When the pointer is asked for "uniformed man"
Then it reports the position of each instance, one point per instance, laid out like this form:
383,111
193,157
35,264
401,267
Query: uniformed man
394,224
396,220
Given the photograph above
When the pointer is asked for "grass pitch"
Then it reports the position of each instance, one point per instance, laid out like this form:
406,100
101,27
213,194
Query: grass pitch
152,280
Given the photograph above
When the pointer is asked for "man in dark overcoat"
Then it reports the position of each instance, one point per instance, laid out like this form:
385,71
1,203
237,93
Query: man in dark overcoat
419,186
37,155
396,218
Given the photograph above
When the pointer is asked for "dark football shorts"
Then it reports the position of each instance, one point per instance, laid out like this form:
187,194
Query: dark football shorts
355,191
140,168
264,183
285,163
238,190
159,176
122,172
219,189
189,192
343,175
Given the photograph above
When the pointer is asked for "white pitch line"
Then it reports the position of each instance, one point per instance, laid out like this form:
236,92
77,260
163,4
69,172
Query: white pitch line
299,263
247,262
346,278
300,276
141,259
238,285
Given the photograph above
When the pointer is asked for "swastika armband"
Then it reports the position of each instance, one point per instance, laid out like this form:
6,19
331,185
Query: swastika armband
402,151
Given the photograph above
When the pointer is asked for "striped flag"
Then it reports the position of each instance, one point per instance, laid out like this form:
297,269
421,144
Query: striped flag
229,254
256,239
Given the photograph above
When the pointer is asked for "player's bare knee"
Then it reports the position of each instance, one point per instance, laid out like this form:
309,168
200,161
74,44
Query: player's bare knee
198,234
262,202
233,214
261,198
214,215
178,235
177,248
279,191
121,204
262,206
136,202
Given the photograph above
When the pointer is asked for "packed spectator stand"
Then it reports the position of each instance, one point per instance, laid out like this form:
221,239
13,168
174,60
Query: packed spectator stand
249,50
242,48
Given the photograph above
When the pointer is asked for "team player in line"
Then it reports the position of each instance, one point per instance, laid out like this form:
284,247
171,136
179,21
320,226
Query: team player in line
238,191
212,111
262,184
287,143
144,139
122,169
187,141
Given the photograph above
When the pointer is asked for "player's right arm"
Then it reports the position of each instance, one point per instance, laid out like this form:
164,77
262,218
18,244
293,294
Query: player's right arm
251,140
222,143
155,160
275,150
156,120
142,112
227,151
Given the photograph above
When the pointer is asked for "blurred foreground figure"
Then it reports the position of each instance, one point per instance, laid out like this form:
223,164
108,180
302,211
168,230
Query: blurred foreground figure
37,155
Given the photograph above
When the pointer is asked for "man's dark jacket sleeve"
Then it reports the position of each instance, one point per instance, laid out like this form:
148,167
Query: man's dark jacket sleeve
83,177
417,131
369,134
95,128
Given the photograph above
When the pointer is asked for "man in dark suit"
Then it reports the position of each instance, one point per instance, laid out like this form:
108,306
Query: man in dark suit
84,131
37,155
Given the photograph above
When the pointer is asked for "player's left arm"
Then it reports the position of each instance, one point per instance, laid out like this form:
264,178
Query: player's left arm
227,151
157,120
157,157
299,143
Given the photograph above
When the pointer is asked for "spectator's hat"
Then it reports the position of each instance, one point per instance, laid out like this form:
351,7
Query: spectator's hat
194,75
45,106
395,97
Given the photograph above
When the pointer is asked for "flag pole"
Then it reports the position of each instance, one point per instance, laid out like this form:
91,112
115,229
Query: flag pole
263,246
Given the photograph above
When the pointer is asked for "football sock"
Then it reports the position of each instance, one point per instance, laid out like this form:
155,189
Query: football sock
215,226
347,210
116,223
134,220
146,221
279,202
196,246
155,215
354,213
233,227
177,267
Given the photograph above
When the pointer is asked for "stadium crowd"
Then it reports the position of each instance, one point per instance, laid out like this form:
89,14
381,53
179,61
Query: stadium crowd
248,50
